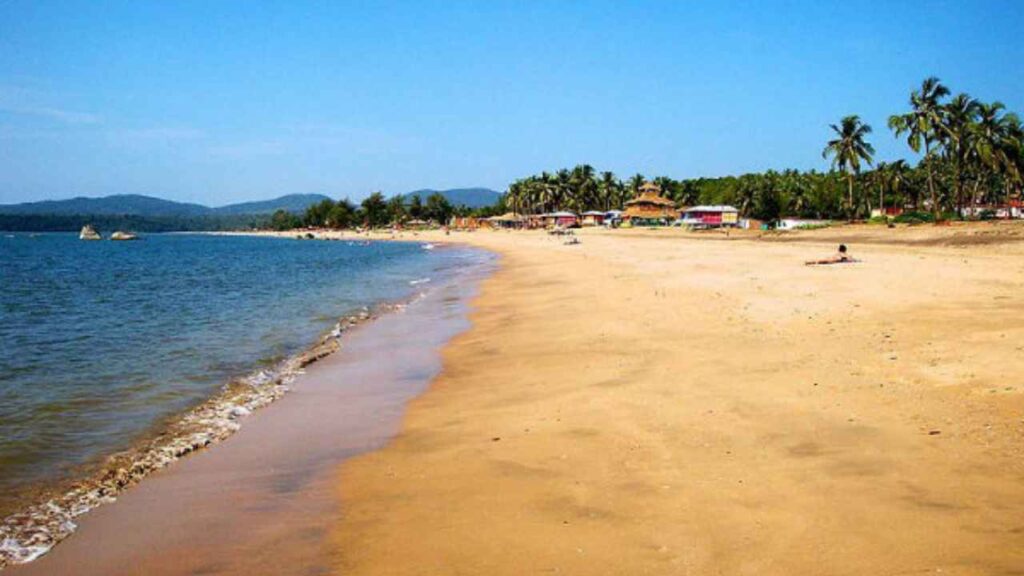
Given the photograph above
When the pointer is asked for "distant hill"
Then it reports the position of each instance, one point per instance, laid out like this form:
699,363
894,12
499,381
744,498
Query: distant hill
128,204
296,203
144,214
147,206
472,197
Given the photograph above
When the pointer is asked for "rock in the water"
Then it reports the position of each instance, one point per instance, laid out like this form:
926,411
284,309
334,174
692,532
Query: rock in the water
119,235
88,233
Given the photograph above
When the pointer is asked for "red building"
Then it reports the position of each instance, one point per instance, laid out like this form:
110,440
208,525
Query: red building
710,216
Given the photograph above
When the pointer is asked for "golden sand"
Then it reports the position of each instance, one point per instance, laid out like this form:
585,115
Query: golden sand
659,403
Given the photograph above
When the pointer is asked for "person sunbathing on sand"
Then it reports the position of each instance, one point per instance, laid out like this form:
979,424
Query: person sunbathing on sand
841,257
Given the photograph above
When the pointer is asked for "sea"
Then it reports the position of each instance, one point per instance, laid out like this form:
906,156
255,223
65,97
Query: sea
132,354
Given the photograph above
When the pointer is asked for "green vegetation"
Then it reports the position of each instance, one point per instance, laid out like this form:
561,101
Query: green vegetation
376,211
284,220
914,217
848,150
972,155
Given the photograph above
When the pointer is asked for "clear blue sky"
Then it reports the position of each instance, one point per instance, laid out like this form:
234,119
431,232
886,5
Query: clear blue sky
217,102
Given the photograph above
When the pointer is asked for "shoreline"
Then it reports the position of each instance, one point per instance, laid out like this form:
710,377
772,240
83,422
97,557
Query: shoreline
53,512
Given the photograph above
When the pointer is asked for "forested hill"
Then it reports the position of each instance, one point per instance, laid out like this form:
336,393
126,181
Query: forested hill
145,214
295,203
469,197
133,204
139,205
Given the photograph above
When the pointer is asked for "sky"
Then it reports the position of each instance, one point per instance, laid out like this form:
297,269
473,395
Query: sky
220,102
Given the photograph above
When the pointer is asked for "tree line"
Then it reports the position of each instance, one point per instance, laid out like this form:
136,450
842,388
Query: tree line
972,155
377,211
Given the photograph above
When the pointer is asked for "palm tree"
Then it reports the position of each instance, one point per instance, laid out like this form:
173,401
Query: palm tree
1013,153
794,187
890,177
921,124
897,177
546,192
516,196
998,140
878,177
561,188
584,186
747,188
958,123
635,182
848,149
608,188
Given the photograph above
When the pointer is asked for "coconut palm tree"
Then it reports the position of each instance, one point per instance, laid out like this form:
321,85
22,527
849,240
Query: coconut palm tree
958,123
794,186
890,177
848,150
921,125
515,196
635,182
897,178
584,188
608,188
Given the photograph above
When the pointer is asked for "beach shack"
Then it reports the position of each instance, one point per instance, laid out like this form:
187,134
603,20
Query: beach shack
1013,209
418,225
466,223
613,218
711,217
534,221
561,220
507,221
592,218
649,207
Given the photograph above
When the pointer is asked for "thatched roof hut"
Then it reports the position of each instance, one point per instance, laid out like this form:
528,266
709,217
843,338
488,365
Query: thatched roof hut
507,220
650,205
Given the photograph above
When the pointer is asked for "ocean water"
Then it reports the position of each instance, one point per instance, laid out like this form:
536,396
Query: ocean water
102,343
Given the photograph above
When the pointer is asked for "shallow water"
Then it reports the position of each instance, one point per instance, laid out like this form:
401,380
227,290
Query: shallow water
100,342
265,500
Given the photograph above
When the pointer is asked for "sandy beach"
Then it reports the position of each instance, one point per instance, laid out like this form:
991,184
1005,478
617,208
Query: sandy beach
654,402
642,402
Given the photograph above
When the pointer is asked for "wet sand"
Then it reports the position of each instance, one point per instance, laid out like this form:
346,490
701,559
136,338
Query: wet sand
262,502
656,403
